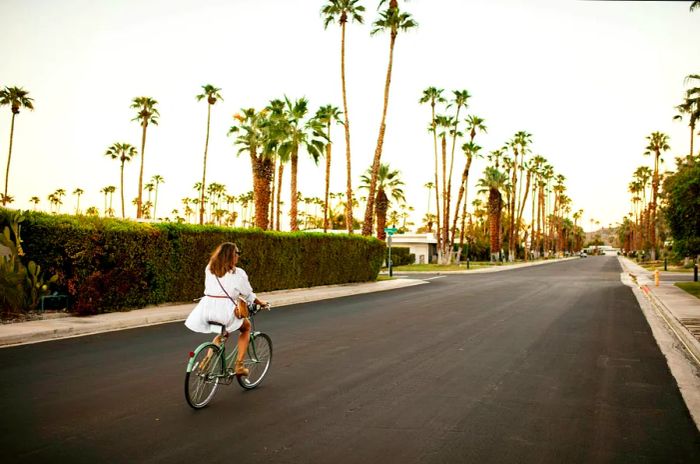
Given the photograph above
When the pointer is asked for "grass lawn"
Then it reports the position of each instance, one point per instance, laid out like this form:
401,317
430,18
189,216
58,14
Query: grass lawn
691,287
672,267
440,267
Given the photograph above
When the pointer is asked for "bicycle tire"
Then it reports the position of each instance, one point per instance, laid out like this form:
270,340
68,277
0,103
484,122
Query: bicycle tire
201,384
257,360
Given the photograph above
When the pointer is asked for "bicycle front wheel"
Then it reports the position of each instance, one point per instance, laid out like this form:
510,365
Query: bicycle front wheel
257,360
201,382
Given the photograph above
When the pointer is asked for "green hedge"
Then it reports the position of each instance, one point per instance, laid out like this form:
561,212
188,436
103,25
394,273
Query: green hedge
400,256
108,264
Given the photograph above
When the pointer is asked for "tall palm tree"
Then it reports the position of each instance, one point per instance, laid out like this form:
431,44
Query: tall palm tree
389,184
443,125
393,20
471,150
658,143
434,96
341,11
691,108
16,98
459,101
695,5
78,192
474,124
493,182
147,113
250,128
123,152
34,200
327,115
298,134
157,179
212,95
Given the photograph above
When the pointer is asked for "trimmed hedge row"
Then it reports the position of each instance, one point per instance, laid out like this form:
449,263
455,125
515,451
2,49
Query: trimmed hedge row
108,264
400,256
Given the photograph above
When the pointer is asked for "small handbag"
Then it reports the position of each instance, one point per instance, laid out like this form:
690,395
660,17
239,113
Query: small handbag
240,307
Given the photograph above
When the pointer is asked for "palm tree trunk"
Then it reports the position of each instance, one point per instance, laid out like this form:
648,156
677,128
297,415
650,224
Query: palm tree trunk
121,189
293,210
155,205
494,223
139,200
328,180
532,218
279,194
261,188
462,193
369,210
9,157
348,192
442,228
204,169
462,231
382,207
437,184
691,160
272,193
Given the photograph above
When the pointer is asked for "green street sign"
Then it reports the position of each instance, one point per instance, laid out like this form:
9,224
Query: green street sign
390,230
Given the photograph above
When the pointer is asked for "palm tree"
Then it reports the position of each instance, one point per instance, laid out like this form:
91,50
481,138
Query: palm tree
695,5
16,98
34,200
393,21
658,142
157,179
149,187
433,95
389,183
326,115
58,198
443,124
297,134
212,95
78,192
250,125
147,113
493,182
474,124
111,189
471,151
124,152
690,107
459,101
341,11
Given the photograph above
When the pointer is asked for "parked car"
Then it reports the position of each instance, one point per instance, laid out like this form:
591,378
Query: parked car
583,254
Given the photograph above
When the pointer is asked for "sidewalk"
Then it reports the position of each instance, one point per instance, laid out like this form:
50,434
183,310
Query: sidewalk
71,326
680,309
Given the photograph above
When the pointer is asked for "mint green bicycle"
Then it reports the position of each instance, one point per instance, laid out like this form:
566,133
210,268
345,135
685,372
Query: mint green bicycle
210,366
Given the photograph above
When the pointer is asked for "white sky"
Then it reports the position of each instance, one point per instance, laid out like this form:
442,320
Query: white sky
589,80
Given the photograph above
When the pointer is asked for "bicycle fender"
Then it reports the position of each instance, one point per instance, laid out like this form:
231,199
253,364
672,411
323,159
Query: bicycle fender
190,362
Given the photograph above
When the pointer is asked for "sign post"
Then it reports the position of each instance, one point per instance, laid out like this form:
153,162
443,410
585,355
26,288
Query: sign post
390,231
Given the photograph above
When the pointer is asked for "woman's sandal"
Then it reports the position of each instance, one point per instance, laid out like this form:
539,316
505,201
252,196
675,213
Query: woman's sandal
241,370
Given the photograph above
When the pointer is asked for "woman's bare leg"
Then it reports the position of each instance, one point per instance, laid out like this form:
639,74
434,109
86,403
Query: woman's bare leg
243,340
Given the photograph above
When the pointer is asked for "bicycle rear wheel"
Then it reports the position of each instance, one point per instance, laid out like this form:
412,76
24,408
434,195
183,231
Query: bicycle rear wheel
257,360
202,381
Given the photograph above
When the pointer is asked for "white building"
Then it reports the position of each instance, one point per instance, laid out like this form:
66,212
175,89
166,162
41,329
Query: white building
423,246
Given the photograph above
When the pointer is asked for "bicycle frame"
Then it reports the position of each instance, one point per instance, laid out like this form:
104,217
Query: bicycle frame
228,360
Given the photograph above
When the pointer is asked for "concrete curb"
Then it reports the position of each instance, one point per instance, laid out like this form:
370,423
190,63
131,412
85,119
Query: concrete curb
645,283
52,329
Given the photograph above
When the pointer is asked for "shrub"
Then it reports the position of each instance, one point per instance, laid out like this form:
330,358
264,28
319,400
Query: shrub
400,256
110,264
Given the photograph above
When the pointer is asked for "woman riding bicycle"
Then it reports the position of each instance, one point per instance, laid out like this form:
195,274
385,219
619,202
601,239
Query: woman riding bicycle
227,292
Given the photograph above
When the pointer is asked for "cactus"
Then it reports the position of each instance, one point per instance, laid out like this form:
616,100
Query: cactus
20,286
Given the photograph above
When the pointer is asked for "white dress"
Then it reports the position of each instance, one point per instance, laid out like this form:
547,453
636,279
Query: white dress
220,310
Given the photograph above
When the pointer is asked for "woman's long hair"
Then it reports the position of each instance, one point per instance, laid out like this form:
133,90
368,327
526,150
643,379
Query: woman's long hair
221,260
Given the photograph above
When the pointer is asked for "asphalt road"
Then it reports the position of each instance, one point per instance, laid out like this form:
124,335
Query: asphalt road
548,364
